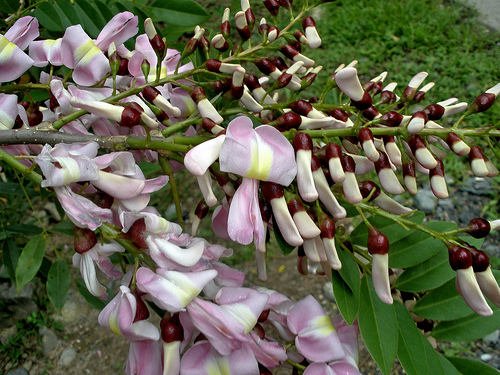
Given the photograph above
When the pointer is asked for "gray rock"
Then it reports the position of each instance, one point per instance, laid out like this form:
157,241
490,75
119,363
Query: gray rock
425,201
477,186
492,338
18,371
8,291
328,291
486,357
49,340
446,204
67,357
7,333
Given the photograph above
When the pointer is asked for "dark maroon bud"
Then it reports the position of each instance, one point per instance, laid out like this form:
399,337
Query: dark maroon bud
308,21
201,209
259,331
476,153
408,93
130,117
373,87
84,240
135,106
265,66
366,188
207,124
251,81
141,312
137,233
377,242
459,257
123,67
272,6
299,35
283,80
419,96
364,103
452,138
391,118
389,138
171,329
222,85
368,86
434,111
302,141
301,261
348,163
333,150
301,107
102,199
480,260
365,134
285,3
204,44
339,114
279,63
213,65
308,79
158,44
264,28
313,99
225,28
150,93
287,121
289,51
425,325
295,45
387,97
415,142
327,227
409,169
198,94
18,123
483,102
265,211
53,103
250,17
421,114
270,190
315,163
438,171
263,316
35,116
237,91
25,104
370,113
478,227
294,206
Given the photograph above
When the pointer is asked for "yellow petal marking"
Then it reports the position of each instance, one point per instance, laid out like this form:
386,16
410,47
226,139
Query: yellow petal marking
86,52
7,48
261,161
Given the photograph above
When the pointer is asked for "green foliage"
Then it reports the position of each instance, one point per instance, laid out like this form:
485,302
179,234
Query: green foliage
469,328
58,282
378,326
30,260
471,366
346,286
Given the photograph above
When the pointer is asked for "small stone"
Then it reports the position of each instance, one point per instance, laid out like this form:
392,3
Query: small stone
49,340
328,291
486,357
425,201
18,371
492,338
7,333
446,204
478,186
67,357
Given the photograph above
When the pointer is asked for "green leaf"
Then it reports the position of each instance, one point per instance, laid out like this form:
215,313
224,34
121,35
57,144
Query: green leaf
58,282
10,255
428,275
346,286
467,329
30,260
177,12
27,229
471,366
390,228
418,246
64,227
414,350
92,300
377,323
443,303
283,245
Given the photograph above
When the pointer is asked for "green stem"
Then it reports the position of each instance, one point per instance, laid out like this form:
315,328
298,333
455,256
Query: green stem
167,168
20,167
16,87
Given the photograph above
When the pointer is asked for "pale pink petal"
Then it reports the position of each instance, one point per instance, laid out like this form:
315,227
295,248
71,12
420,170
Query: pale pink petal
319,369
219,220
187,257
271,354
13,61
8,111
144,358
202,156
119,29
23,31
117,186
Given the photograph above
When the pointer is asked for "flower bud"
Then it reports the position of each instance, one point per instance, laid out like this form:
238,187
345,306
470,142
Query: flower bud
154,38
137,234
484,101
438,182
350,184
386,175
365,137
305,225
422,154
171,329
303,146
378,246
84,240
333,153
311,33
410,90
478,227
272,6
477,162
417,122
410,177
457,145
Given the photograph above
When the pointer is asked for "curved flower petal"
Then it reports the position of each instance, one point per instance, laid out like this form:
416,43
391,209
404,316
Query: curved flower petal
185,257
201,157
144,358
119,29
46,51
263,153
8,111
13,61
23,32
